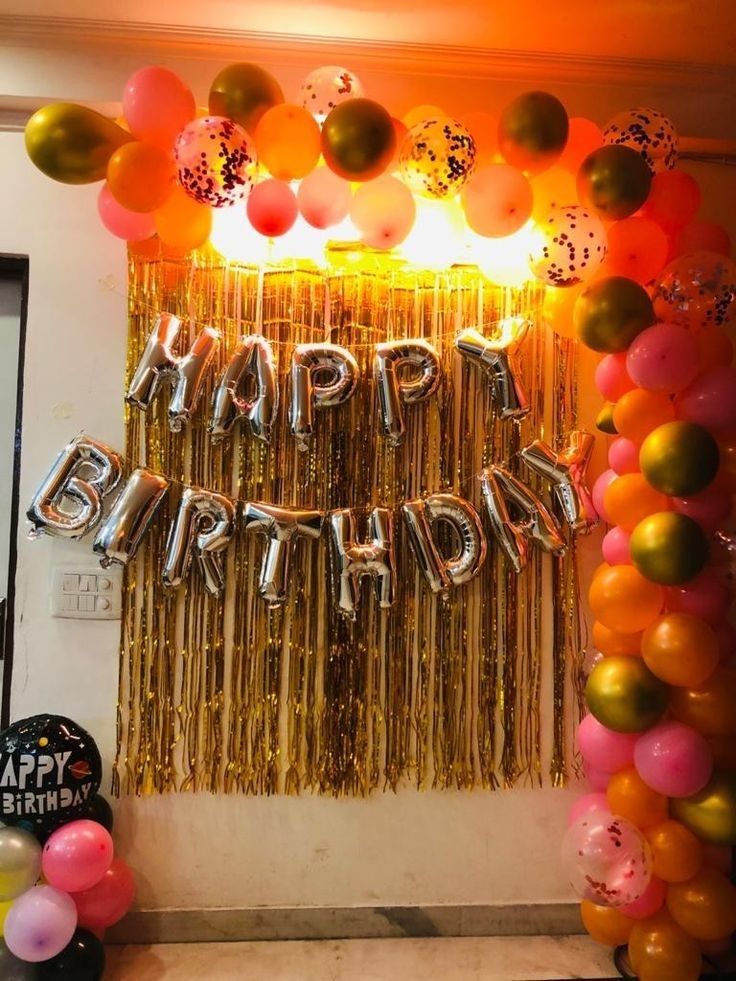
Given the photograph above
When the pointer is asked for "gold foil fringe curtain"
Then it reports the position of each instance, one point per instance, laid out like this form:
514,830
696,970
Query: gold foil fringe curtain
456,692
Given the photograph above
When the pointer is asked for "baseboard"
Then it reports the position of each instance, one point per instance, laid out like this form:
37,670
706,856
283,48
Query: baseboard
321,923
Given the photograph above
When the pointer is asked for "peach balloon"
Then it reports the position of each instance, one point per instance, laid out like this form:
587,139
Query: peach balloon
497,200
323,198
383,211
637,248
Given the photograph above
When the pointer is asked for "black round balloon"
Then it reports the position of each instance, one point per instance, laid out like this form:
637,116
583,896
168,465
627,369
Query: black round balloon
13,969
83,959
50,770
101,812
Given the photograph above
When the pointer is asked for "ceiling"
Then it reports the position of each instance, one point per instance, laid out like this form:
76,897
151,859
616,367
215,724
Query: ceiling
675,31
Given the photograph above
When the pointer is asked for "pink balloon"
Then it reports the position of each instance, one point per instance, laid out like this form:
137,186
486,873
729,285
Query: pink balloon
604,749
663,358
711,399
615,547
623,456
497,200
383,211
599,489
673,759
77,855
705,596
271,208
40,924
108,901
133,226
611,377
586,805
709,508
323,198
650,901
598,780
157,105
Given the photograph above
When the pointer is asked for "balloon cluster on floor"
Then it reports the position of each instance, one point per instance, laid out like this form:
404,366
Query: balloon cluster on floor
530,194
61,885
649,848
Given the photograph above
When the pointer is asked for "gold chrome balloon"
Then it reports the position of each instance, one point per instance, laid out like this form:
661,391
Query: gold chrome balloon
604,420
72,144
533,131
614,181
609,314
624,695
358,139
679,458
711,814
669,548
243,92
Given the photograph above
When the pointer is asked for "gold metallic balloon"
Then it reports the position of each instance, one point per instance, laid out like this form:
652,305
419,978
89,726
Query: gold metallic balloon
624,695
604,420
711,814
669,548
358,140
711,707
72,144
243,92
614,181
533,131
679,458
609,314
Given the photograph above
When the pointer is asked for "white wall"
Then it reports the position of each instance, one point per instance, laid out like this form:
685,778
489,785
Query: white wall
429,848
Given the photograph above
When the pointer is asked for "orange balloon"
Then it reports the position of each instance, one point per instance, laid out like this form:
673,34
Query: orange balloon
287,140
705,905
141,176
554,188
638,412
419,113
606,924
623,600
558,305
183,223
637,249
629,797
400,131
630,498
723,749
583,137
613,644
681,649
149,248
483,127
711,708
715,347
676,852
659,950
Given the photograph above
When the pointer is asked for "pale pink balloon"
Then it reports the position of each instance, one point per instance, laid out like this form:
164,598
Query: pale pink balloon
133,226
663,358
673,759
607,859
599,490
77,855
615,547
40,924
598,780
157,105
611,377
650,901
383,211
323,198
497,200
604,749
711,399
623,456
271,208
705,596
709,508
586,805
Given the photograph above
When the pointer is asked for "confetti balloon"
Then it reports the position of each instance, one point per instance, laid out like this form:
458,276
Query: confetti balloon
571,248
272,208
497,200
243,92
383,211
323,198
696,290
437,157
358,140
327,87
648,132
216,161
607,859
287,142
533,131
613,181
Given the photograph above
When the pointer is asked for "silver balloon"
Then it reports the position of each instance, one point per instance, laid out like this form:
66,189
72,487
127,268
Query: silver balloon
498,359
281,526
353,560
393,391
502,493
158,364
420,517
20,862
84,472
322,376
120,534
251,362
566,471
202,528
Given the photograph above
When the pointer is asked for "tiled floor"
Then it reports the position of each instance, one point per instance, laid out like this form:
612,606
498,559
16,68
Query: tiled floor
444,959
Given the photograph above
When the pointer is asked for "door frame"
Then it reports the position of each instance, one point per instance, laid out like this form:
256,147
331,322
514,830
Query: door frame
17,269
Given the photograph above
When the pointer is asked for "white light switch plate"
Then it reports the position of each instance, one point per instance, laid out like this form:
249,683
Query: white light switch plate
86,593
